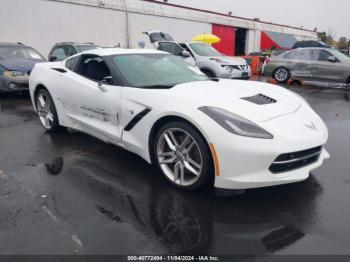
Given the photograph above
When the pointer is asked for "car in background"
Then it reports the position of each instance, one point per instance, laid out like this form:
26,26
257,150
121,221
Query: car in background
310,43
313,64
63,50
206,58
16,62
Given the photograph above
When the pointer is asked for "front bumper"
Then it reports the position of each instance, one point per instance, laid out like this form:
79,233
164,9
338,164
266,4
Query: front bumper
245,162
14,84
235,74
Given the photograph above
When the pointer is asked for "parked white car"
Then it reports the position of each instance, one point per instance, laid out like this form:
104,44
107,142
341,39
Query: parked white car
234,134
208,59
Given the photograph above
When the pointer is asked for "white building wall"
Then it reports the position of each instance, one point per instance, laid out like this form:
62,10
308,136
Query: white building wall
179,29
41,24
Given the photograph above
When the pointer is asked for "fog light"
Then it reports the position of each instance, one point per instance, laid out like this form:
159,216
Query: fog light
12,85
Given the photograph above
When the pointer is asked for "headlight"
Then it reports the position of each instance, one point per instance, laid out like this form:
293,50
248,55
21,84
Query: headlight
228,69
234,123
13,73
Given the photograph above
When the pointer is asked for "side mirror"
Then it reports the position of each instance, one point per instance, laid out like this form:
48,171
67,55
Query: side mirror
105,81
185,53
332,59
52,58
108,80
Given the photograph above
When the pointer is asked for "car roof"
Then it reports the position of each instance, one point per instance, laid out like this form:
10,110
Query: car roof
74,43
312,48
121,51
12,44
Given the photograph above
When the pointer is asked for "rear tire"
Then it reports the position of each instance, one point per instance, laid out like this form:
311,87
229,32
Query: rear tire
183,156
281,75
47,111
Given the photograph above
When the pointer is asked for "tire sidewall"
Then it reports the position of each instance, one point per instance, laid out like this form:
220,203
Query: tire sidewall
55,126
284,81
207,170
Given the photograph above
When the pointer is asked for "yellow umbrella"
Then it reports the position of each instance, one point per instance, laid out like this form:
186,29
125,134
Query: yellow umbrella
206,38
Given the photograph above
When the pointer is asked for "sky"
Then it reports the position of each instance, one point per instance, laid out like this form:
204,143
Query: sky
330,16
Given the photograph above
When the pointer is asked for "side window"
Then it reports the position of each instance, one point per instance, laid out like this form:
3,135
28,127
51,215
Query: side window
59,53
290,55
69,50
305,55
93,67
72,63
184,46
324,55
170,47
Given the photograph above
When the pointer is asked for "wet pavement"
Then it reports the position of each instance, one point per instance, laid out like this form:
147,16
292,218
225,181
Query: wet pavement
68,193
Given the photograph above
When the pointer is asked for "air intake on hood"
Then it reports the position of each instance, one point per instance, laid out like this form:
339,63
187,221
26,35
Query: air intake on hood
260,99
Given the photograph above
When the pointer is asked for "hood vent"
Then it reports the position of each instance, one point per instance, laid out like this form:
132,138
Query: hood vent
260,99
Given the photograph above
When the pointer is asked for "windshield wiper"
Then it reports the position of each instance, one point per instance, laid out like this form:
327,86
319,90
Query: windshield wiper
158,86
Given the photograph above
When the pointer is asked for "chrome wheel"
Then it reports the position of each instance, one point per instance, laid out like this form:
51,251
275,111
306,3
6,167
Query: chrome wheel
281,75
45,112
179,156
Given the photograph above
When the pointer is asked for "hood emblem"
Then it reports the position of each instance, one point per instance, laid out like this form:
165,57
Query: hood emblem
311,125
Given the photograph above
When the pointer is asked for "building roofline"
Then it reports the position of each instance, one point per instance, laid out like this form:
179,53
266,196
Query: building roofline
226,15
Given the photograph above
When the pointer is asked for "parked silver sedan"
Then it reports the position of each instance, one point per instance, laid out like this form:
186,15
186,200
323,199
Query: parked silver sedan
313,64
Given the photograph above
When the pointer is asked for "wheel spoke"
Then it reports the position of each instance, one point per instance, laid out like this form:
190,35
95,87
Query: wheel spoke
163,154
177,171
173,138
184,143
188,149
192,162
190,168
42,101
169,142
168,161
47,122
50,116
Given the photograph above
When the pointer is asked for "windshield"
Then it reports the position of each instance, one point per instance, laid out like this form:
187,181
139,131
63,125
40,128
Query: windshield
204,50
82,48
19,52
156,70
339,55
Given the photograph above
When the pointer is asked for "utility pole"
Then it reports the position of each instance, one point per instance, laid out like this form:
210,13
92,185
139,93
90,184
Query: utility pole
127,24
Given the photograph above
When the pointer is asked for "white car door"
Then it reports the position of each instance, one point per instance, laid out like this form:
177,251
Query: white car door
93,105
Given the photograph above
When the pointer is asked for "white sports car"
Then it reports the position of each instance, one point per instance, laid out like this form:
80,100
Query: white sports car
233,134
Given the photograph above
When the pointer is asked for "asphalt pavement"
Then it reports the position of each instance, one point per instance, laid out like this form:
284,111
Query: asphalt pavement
68,193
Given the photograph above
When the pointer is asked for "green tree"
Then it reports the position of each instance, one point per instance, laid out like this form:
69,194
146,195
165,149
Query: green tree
343,43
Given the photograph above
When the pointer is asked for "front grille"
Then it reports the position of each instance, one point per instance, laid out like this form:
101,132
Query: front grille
260,99
295,160
243,68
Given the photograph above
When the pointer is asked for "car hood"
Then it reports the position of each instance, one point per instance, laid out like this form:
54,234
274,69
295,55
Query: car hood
234,96
230,60
22,65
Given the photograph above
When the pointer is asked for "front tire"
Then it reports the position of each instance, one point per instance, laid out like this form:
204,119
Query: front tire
182,155
281,75
47,111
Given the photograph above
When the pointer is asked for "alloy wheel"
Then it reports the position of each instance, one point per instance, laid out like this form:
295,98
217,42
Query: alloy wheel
45,112
281,75
179,156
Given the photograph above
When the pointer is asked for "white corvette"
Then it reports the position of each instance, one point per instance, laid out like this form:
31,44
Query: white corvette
234,134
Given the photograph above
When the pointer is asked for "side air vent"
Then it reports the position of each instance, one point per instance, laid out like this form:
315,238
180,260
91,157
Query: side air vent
260,99
61,70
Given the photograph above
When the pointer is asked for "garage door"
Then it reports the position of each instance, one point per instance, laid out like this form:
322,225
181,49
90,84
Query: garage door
227,35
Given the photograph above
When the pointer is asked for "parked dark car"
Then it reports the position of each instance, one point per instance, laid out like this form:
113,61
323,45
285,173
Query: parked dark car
16,62
61,51
310,43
